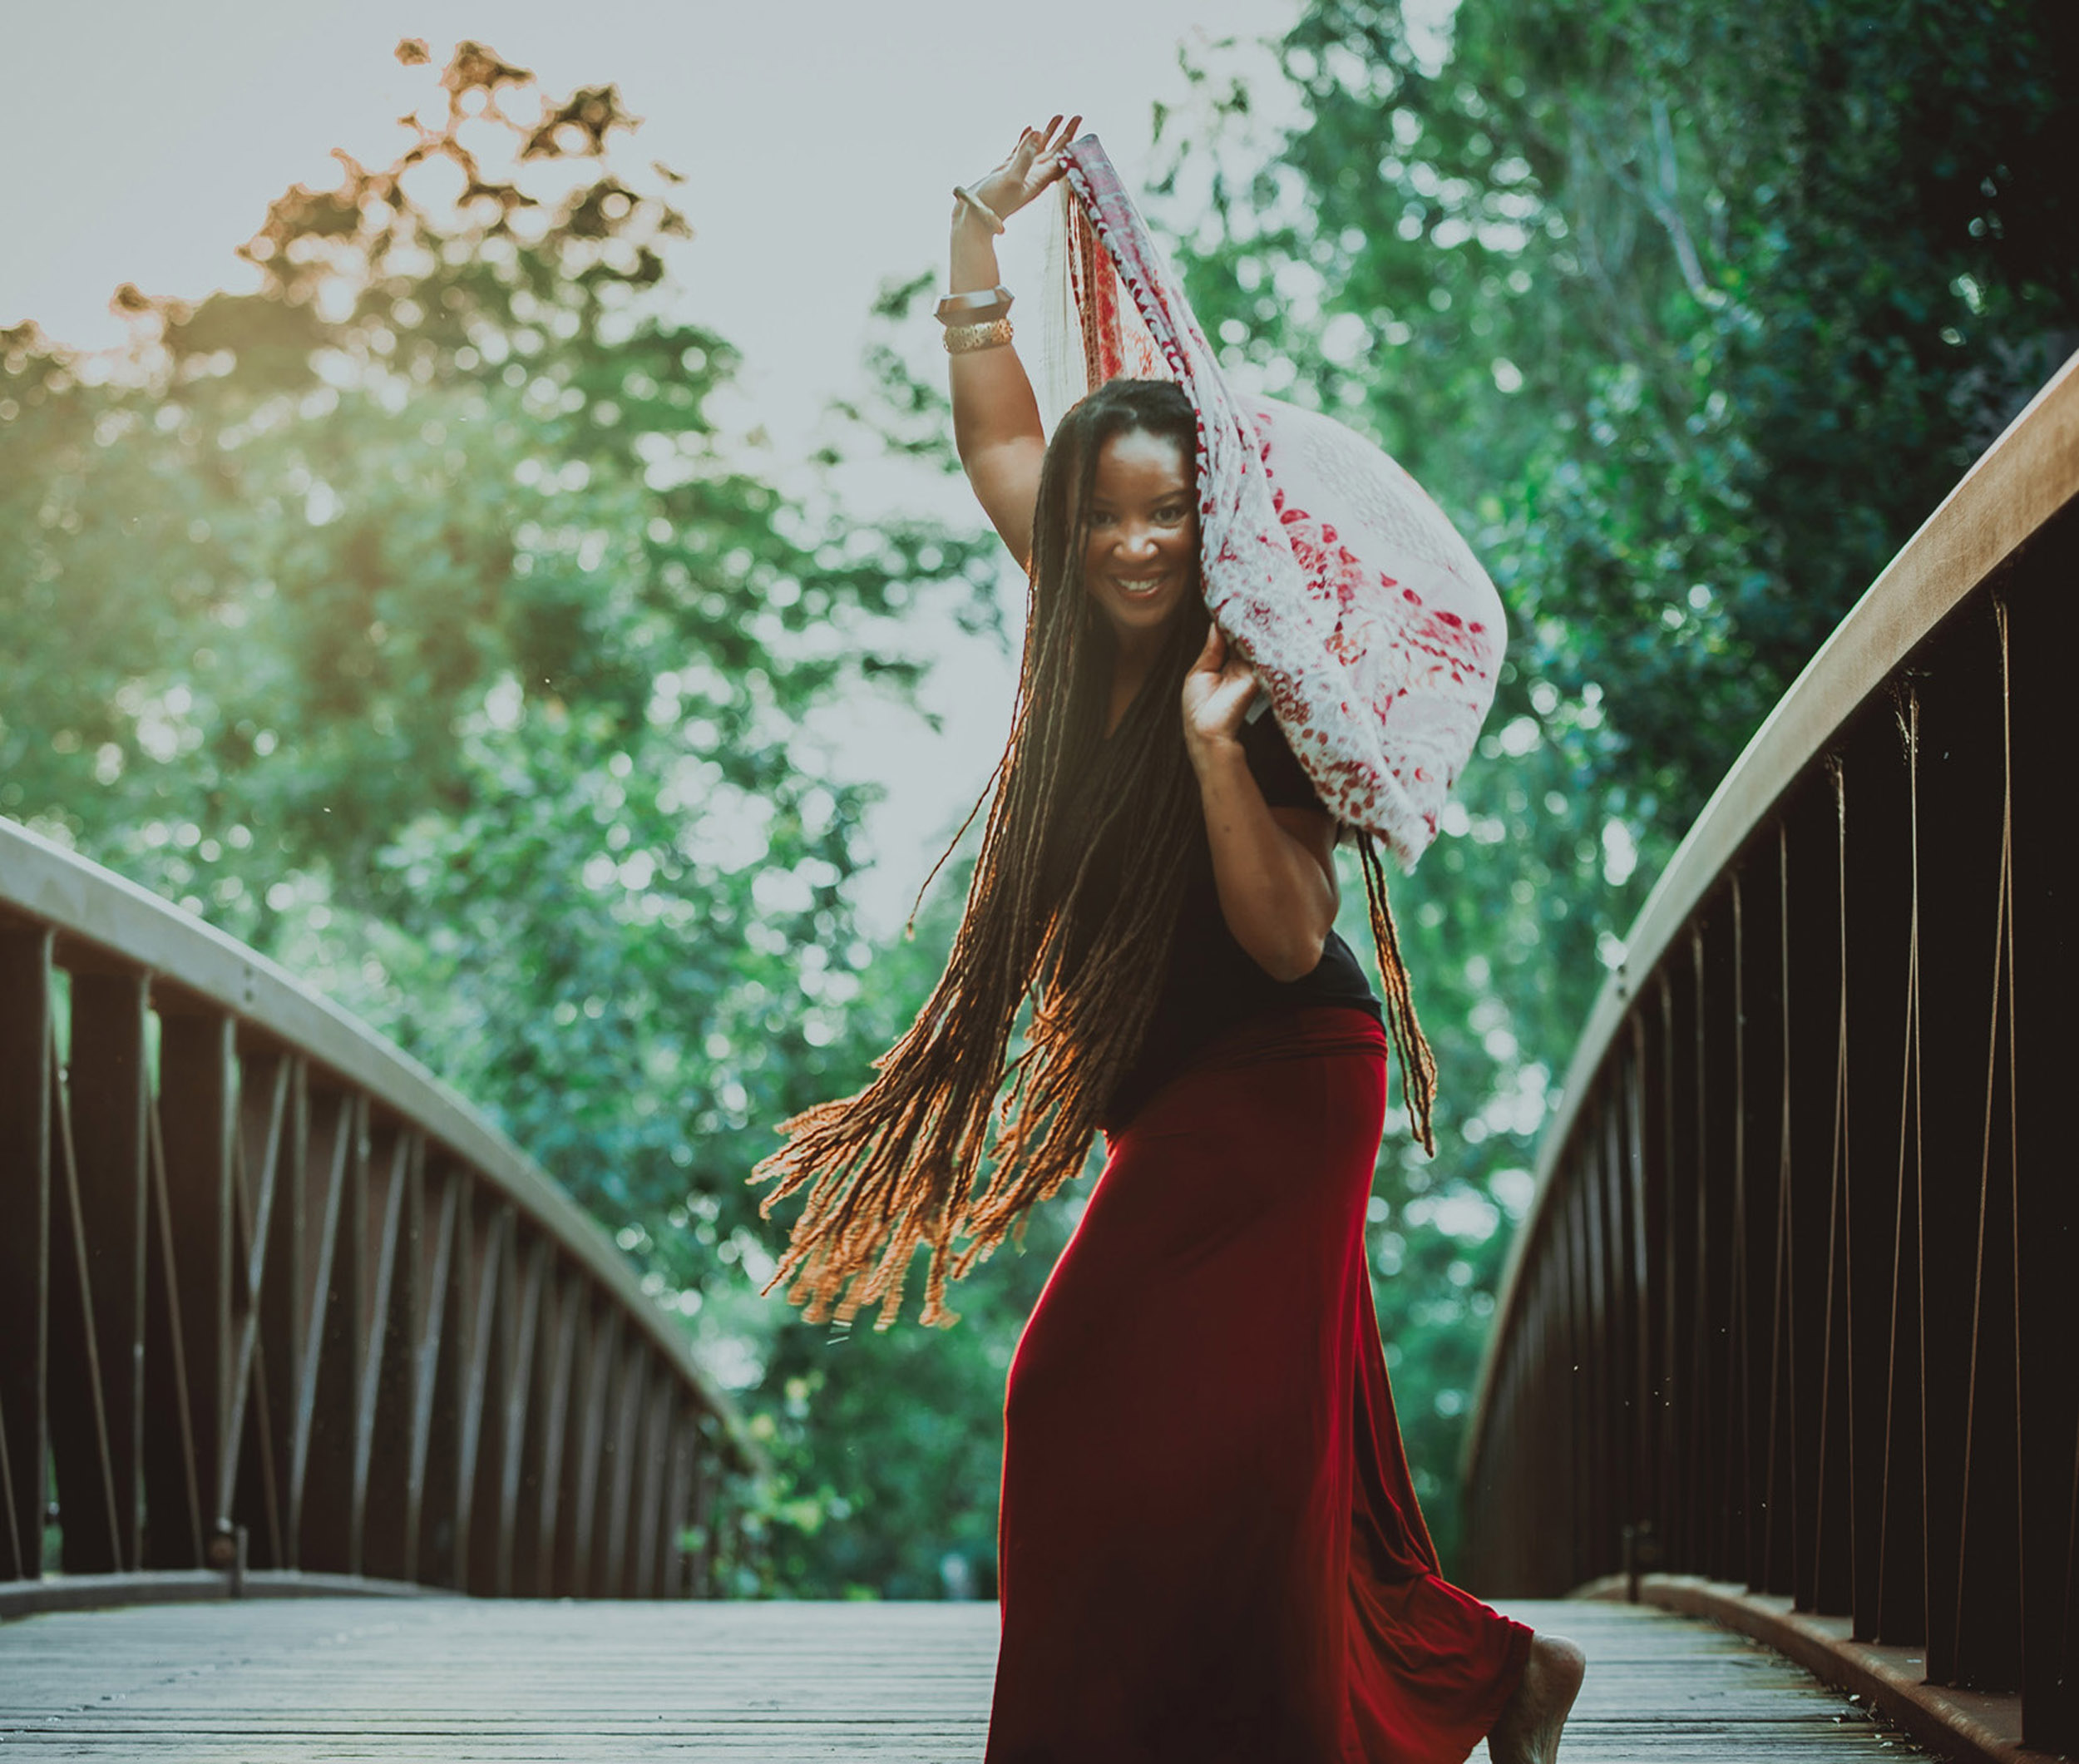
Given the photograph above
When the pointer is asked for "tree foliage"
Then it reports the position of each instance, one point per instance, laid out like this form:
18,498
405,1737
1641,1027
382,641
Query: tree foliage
1689,314
416,616
412,618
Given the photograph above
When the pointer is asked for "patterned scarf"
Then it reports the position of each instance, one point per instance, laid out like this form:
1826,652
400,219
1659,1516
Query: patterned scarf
1371,626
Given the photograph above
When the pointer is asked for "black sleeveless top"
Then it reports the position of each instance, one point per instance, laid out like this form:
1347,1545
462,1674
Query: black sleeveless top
1212,985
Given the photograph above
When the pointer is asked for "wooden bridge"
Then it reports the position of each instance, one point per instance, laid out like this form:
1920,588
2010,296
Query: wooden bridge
1788,1348
1789,1337
435,1680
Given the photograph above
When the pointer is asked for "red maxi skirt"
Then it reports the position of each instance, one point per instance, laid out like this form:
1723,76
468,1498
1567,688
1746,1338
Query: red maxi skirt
1210,1550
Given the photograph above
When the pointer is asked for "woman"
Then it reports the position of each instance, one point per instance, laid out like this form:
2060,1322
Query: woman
1210,1546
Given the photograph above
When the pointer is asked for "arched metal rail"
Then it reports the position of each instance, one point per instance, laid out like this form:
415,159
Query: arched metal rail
273,1298
1794,1315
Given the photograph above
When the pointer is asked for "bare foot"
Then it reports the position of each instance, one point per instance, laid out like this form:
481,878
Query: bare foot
1527,1731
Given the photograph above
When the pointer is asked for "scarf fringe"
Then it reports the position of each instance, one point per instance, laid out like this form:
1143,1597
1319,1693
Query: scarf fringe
1410,1046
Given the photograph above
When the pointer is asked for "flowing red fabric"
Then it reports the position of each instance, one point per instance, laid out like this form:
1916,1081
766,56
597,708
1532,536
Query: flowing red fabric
1210,1550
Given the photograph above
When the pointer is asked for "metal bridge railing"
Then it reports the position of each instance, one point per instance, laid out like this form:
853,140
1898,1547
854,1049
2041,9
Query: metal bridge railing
1797,1304
272,1298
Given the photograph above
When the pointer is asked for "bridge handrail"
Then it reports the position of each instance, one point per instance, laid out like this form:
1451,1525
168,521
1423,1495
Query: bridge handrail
2012,491
1789,1316
42,881
264,1279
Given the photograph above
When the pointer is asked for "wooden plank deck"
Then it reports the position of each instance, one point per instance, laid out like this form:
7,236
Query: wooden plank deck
430,1681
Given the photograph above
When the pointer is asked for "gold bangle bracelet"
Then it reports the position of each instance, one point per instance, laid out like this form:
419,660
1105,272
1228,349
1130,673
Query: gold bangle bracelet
960,340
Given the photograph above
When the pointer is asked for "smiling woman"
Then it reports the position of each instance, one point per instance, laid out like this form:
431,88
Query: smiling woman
1210,1547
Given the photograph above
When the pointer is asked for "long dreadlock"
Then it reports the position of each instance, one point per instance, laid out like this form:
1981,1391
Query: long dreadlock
898,1165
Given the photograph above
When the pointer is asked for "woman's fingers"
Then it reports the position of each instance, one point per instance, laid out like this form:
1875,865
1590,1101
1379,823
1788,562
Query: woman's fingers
1217,690
1030,166
1041,144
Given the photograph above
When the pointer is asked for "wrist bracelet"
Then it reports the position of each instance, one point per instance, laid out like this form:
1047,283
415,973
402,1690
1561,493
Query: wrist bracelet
963,339
994,220
974,307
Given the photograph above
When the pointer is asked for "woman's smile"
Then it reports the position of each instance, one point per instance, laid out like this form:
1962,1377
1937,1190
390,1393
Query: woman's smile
1139,587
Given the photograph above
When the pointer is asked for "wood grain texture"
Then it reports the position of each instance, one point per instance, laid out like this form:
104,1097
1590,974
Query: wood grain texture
265,1682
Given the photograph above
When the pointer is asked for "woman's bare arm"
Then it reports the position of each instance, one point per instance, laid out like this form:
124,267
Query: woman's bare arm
995,417
1273,868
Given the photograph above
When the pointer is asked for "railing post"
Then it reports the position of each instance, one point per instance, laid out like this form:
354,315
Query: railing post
26,1082
653,1466
386,1498
184,1455
322,1449
536,1537
527,1289
577,1503
610,1559
2042,982
96,1390
275,1124
678,1507
499,1401
436,1379
445,1362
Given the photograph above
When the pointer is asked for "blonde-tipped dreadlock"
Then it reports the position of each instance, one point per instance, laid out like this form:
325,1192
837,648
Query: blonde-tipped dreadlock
1410,1046
898,1165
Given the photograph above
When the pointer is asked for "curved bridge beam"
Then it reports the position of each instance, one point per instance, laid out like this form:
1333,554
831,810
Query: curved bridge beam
1793,1306
272,1295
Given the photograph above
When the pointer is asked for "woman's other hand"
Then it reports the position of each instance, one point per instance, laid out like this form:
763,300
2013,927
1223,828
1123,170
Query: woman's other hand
1216,696
1035,163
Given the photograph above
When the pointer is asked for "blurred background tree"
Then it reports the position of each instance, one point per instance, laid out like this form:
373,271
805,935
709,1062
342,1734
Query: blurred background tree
1688,315
415,619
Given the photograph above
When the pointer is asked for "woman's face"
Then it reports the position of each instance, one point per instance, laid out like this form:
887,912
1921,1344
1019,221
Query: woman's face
1140,558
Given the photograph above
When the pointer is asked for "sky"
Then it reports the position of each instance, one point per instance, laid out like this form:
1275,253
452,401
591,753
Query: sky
821,141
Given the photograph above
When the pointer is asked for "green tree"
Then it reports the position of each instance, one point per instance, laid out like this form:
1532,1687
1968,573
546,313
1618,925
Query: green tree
412,618
1689,315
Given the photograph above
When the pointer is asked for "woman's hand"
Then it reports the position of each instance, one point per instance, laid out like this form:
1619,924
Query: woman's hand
1217,691
1035,163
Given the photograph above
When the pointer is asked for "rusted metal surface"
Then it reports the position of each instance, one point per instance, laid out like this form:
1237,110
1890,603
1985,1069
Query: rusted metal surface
272,1296
1797,1306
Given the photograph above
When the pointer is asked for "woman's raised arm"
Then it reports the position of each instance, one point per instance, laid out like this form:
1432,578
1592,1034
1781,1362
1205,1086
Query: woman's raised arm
995,417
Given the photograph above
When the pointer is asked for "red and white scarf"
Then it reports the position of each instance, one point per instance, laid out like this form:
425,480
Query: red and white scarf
1369,622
